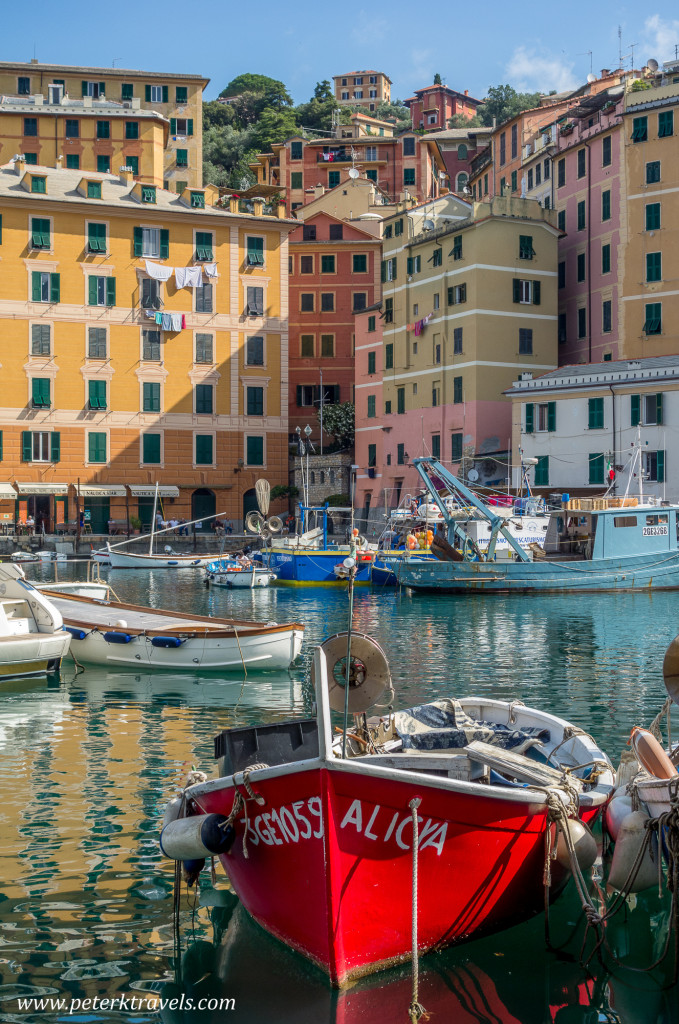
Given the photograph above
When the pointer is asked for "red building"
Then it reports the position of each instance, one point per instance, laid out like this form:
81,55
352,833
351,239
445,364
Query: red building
431,107
334,270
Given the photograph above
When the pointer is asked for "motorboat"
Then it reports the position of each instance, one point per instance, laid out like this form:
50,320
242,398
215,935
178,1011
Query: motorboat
228,572
405,833
98,590
32,638
307,557
114,633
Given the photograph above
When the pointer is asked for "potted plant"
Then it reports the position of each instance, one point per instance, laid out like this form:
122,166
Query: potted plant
135,523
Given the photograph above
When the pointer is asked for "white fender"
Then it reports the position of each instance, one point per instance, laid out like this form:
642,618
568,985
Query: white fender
172,809
616,812
195,838
583,842
630,838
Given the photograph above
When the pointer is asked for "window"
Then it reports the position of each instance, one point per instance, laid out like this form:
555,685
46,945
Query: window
182,158
653,216
96,447
640,129
254,351
503,148
307,346
40,340
147,242
204,303
582,163
103,164
181,94
127,91
333,179
526,250
654,466
596,466
254,455
605,258
595,413
606,205
40,393
529,183
545,169
408,175
327,302
413,265
296,179
309,233
457,293
541,477
561,220
457,341
457,390
651,406
436,258
456,447
581,266
204,348
204,399
306,302
582,322
30,126
254,301
652,172
101,291
156,94
387,411
359,263
606,317
546,417
296,150
131,130
72,130
606,151
150,294
371,173
398,226
371,362
94,192
96,394
561,173
150,449
327,346
388,231
151,345
327,264
435,393
400,400
360,301
150,397
525,341
526,292
96,237
389,356
582,215
45,287
96,343
653,321
148,193
133,163
371,324
371,407
436,446
456,251
40,446
561,270
388,311
400,454
538,174
203,451
31,158
358,94
38,183
654,266
436,300
372,456
409,146
665,124
24,86
97,90
561,331
197,200
255,247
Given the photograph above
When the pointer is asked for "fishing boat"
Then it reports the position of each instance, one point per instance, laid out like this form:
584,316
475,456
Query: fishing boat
228,572
113,633
168,559
405,833
308,557
590,544
32,638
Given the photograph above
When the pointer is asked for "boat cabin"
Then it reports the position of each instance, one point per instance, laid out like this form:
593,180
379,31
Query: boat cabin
616,532
16,619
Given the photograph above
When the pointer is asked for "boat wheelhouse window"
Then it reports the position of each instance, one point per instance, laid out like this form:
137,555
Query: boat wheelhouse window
624,520
657,520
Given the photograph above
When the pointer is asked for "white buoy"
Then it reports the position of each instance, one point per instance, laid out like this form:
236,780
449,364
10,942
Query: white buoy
616,812
196,837
631,835
172,810
584,845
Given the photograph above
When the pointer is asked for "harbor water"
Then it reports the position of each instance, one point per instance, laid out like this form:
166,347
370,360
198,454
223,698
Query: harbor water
88,761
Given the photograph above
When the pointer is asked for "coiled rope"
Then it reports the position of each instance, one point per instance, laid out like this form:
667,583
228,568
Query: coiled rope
239,804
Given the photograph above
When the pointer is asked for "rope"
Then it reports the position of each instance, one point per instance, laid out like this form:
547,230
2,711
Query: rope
416,1011
239,804
512,710
654,727
235,633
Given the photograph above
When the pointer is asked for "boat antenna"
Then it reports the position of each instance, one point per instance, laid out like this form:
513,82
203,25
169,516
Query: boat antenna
350,564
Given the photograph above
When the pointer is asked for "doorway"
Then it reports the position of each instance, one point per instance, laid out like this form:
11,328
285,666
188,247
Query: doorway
249,503
203,503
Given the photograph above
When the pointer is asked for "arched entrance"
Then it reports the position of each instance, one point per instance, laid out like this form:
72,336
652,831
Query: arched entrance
203,503
249,502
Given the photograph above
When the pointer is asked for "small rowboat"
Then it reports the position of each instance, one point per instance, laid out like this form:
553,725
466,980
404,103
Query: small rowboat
229,573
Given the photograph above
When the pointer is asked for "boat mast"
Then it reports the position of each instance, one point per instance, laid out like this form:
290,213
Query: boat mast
153,519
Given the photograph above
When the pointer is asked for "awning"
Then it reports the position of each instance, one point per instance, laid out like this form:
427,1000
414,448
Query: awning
7,491
140,491
102,490
42,488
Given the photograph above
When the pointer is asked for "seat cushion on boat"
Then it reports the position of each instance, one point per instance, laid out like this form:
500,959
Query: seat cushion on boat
443,725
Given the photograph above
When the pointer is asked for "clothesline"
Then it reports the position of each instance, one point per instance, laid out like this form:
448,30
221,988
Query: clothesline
419,324
185,277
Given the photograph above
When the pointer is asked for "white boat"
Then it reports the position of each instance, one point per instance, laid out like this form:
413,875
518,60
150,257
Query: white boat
23,556
101,555
228,573
80,588
114,633
32,638
168,560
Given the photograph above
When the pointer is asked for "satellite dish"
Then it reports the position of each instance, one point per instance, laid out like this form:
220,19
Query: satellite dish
353,173
473,475
652,64
591,77
428,225
369,673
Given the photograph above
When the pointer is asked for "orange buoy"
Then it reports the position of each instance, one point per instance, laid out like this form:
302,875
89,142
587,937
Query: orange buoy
411,542
651,755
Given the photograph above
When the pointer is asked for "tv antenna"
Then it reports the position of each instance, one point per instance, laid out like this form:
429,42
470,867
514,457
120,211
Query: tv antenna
588,53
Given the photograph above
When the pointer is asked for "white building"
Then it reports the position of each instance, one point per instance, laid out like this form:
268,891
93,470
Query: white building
581,423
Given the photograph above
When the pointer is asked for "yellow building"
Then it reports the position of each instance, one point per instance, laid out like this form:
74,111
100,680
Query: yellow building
144,340
650,303
362,89
176,97
82,135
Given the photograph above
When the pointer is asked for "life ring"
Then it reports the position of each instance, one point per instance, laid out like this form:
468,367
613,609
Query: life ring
651,755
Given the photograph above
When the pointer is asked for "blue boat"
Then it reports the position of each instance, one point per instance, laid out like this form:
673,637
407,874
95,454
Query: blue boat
308,558
614,546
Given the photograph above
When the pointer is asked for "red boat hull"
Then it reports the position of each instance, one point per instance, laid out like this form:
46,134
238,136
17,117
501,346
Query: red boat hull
329,866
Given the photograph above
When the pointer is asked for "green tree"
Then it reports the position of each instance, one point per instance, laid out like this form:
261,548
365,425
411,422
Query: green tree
226,152
316,115
437,79
272,126
216,115
274,91
339,420
323,90
460,121
503,102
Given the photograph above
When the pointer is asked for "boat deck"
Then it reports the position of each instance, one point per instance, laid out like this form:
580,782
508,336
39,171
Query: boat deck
93,614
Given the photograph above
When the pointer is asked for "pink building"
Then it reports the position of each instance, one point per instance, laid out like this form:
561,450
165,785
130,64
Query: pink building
432,107
368,398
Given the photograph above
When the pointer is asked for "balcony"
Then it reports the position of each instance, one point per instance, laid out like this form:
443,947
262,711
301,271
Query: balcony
482,160
336,155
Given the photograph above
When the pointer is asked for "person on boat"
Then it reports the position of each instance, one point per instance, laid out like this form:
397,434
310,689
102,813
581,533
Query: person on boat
243,560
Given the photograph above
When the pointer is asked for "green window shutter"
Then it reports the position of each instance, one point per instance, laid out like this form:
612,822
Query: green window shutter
653,266
203,449
36,289
173,126
299,394
164,243
96,447
605,259
151,397
371,362
542,471
389,356
661,467
400,400
92,290
55,445
596,469
189,126
551,416
595,413
371,406
110,291
83,86
26,446
55,287
147,93
138,239
97,394
635,410
166,94
516,289
536,293
102,89
530,418
255,451
658,409
409,266
151,448
384,271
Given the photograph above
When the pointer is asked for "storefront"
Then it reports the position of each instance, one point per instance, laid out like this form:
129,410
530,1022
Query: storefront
41,506
99,507
144,497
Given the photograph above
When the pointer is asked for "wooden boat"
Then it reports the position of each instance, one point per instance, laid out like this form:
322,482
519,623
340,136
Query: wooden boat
339,829
168,559
32,638
227,572
114,633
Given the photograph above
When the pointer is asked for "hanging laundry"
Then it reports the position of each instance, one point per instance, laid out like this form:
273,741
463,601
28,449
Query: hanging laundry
177,321
150,314
157,272
183,322
210,270
188,277
166,321
418,328
159,318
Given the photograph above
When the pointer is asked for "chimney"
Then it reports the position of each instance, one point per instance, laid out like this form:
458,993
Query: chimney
126,176
605,72
318,191
20,165
466,92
